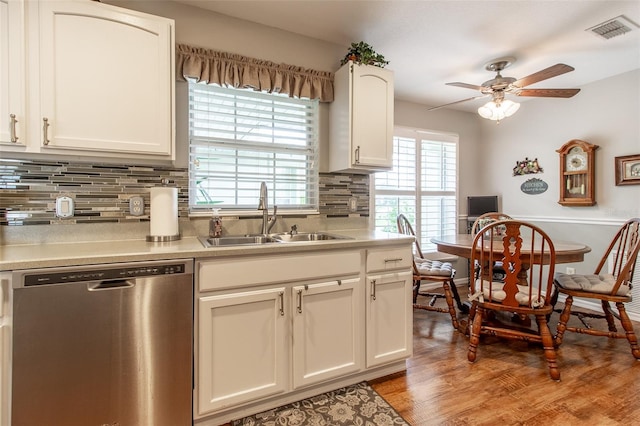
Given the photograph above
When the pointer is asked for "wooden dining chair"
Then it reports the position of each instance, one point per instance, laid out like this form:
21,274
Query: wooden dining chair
482,221
431,270
613,286
504,308
486,219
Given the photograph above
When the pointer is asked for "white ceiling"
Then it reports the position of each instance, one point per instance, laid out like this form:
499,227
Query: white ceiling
432,42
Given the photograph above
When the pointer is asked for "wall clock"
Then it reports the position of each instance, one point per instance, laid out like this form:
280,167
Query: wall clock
577,173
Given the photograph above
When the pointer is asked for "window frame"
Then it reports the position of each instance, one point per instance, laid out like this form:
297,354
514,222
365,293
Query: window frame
418,193
310,161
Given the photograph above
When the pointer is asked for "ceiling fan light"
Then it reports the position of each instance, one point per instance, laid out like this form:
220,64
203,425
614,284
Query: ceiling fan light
509,107
491,111
496,112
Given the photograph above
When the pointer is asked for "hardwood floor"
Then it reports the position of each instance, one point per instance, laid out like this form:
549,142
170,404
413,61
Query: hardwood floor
509,383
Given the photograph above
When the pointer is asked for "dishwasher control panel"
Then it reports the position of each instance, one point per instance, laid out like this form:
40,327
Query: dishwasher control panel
102,272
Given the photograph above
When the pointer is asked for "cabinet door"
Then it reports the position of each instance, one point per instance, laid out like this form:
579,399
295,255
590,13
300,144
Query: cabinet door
4,376
327,331
5,348
242,346
12,73
372,115
389,318
106,79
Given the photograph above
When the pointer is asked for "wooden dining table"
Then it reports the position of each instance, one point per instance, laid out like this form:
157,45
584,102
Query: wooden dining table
460,245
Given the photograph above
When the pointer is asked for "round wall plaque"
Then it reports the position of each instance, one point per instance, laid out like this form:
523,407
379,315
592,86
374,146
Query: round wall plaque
534,186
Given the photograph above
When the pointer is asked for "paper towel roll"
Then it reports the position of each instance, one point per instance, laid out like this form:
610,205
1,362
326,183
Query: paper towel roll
164,212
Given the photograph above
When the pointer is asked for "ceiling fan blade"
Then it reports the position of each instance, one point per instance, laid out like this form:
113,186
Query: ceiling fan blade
466,86
547,93
552,71
456,102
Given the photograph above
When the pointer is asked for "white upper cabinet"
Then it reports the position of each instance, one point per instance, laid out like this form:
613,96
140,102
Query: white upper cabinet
106,79
12,73
83,78
361,135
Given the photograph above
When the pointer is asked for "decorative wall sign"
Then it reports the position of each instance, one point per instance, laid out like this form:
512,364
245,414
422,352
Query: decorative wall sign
628,170
534,186
527,167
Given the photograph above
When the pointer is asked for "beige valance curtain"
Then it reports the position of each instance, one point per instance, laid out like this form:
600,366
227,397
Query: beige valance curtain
228,69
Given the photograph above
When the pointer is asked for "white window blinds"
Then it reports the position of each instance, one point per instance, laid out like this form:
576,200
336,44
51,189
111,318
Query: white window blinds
422,185
240,138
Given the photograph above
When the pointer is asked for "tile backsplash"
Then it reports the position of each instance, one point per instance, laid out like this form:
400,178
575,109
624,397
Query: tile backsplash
101,192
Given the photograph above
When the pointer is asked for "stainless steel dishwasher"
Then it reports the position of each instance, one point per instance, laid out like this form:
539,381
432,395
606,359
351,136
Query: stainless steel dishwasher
103,345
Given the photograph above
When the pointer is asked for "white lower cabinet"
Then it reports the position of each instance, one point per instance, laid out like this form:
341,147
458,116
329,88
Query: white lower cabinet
242,348
389,307
245,339
296,323
270,328
389,318
327,328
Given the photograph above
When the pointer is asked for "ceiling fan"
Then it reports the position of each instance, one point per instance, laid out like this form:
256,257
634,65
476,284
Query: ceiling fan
498,86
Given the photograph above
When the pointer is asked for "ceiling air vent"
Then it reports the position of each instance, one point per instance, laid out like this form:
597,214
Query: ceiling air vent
613,27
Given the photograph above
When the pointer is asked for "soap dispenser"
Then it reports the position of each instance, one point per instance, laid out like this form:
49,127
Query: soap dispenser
215,225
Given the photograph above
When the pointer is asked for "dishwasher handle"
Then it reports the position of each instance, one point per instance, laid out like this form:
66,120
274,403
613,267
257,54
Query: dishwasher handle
110,285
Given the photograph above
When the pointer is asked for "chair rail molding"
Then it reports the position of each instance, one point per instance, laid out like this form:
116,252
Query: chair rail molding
606,221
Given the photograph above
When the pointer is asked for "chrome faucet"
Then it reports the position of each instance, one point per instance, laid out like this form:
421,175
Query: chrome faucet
263,204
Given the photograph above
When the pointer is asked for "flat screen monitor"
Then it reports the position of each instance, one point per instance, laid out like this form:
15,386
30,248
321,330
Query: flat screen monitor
477,206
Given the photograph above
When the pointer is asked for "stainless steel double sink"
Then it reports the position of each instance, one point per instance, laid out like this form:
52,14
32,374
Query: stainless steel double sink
260,239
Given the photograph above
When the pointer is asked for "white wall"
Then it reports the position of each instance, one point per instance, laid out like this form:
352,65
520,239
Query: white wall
606,113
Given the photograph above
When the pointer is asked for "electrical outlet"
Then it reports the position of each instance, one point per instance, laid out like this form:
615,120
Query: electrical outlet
64,207
353,204
571,270
136,205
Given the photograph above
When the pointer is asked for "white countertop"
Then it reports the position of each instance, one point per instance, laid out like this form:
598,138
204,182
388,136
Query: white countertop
43,255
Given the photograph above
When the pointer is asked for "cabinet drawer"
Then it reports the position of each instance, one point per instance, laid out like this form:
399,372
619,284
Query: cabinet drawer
389,259
257,270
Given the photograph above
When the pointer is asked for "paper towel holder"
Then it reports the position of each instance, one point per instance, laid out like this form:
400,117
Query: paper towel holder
163,238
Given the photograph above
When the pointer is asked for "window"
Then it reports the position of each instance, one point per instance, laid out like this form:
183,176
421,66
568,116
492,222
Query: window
239,138
422,185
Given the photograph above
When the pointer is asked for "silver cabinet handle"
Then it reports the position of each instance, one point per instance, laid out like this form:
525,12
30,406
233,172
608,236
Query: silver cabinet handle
358,155
373,289
299,301
12,126
281,296
397,259
45,131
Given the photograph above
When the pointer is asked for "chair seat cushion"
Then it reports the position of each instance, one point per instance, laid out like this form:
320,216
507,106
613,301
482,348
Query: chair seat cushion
433,267
602,284
522,296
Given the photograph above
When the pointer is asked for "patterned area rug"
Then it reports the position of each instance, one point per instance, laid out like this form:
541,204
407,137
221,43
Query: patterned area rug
357,405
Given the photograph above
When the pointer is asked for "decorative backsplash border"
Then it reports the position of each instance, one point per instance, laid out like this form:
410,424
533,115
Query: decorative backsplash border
101,192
